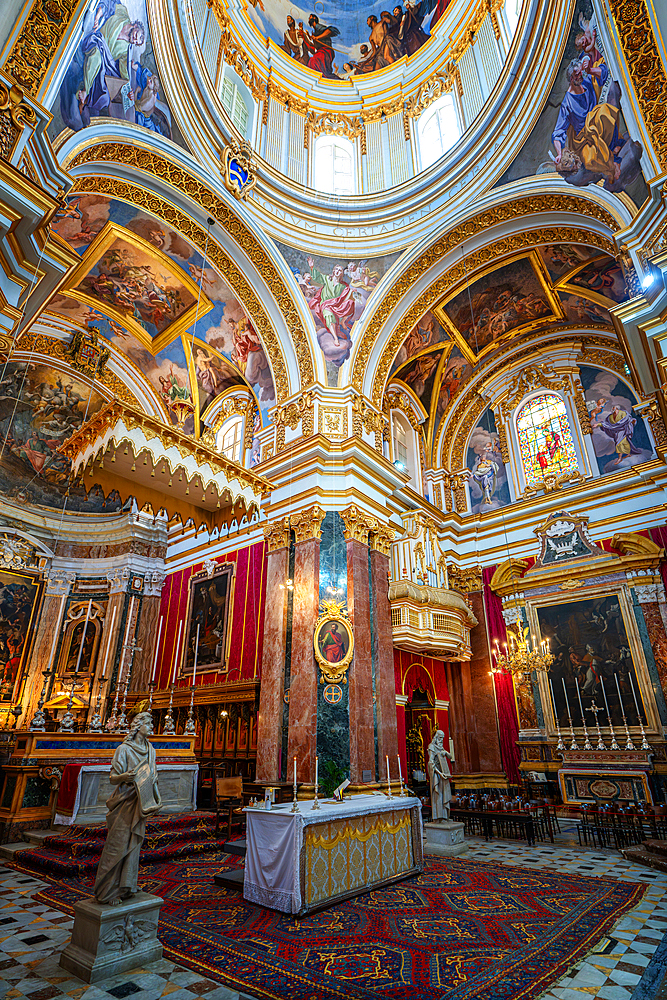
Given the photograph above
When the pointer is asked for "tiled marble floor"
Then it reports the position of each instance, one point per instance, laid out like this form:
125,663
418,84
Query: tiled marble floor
32,936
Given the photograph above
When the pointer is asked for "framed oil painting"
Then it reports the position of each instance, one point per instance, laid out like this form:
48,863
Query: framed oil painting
19,600
209,608
334,645
597,653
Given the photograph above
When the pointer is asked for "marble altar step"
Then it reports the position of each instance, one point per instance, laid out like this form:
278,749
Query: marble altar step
238,847
231,879
651,853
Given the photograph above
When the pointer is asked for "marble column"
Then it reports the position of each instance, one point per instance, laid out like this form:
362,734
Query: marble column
360,675
385,683
147,632
271,694
45,648
302,738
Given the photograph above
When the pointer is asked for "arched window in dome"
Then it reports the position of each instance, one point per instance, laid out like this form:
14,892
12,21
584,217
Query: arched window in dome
229,438
334,165
545,438
235,105
438,130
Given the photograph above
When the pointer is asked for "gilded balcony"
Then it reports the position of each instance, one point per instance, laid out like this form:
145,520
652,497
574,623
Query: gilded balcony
430,620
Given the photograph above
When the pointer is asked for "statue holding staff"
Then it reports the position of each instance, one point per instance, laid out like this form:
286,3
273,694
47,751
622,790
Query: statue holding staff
439,775
134,773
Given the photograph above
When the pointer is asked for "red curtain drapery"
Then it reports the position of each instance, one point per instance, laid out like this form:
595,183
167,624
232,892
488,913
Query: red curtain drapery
508,722
418,678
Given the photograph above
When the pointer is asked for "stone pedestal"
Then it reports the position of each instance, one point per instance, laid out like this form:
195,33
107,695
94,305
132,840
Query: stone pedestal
108,940
444,838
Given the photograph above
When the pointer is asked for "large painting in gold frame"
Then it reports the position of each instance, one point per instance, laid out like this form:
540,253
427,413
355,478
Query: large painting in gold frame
138,286
20,595
593,638
210,602
500,303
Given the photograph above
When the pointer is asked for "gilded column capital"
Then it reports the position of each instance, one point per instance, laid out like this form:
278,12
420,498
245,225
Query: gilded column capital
358,524
276,534
307,523
381,539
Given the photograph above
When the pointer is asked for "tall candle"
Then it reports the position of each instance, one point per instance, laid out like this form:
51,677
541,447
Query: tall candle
194,672
567,700
400,774
157,648
178,646
581,707
83,636
620,700
634,695
606,704
387,769
317,765
127,633
106,657
295,772
553,699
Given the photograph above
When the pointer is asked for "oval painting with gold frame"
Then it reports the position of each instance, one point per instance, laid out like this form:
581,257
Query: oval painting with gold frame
334,645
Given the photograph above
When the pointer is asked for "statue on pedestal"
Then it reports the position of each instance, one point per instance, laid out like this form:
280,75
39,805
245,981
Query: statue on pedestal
439,775
136,797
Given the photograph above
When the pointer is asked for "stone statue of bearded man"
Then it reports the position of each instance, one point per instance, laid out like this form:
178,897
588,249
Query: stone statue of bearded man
439,775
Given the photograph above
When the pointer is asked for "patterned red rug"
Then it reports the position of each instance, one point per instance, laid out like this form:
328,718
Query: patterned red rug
462,929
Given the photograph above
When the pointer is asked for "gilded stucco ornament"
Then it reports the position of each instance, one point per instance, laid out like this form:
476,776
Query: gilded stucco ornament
382,538
15,117
358,524
175,175
238,169
307,524
277,534
464,268
647,71
35,46
530,378
87,352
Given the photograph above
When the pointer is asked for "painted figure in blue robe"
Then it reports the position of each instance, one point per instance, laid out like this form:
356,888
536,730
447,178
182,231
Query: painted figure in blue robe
620,427
146,96
485,475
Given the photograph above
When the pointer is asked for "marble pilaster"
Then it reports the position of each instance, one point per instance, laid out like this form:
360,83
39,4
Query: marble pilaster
302,739
269,720
362,728
385,684
45,650
147,630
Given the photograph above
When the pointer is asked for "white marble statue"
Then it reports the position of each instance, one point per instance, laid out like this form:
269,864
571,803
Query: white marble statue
135,798
439,775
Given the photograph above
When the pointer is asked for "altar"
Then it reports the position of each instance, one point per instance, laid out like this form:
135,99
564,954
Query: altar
302,861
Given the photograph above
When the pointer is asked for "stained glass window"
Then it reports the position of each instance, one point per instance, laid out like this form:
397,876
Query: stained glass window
545,438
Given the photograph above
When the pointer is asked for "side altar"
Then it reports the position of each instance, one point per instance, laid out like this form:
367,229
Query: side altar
64,777
302,861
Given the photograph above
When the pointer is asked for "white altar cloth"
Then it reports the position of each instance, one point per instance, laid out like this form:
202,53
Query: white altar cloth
275,839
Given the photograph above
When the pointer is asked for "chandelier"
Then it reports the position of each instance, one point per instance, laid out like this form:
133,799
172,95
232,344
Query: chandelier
522,656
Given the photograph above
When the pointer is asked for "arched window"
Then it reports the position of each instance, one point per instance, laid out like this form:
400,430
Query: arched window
235,105
400,444
229,440
334,165
438,130
545,438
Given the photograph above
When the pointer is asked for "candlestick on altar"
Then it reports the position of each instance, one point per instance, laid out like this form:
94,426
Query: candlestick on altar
190,729
629,745
38,724
614,745
587,742
560,745
645,745
67,724
594,708
295,807
573,743
96,721
151,688
316,804
389,795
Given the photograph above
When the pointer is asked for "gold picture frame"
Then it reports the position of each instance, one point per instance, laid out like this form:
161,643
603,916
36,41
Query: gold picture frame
333,643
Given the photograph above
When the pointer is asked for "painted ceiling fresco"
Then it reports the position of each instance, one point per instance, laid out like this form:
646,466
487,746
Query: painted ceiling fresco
581,134
339,39
147,305
555,285
112,73
337,291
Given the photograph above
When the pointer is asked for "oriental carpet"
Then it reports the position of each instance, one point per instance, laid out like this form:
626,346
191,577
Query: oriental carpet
460,930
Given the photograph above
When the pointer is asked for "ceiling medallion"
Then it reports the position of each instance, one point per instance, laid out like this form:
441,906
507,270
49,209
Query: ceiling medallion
238,174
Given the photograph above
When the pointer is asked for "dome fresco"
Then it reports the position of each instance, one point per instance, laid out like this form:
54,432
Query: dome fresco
342,39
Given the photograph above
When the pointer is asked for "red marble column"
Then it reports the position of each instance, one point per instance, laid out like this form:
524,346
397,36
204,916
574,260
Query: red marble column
302,739
385,682
360,675
270,718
